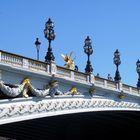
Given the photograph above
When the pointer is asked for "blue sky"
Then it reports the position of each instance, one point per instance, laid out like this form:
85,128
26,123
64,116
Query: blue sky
111,24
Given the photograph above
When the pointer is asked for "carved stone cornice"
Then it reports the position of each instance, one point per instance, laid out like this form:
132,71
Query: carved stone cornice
17,111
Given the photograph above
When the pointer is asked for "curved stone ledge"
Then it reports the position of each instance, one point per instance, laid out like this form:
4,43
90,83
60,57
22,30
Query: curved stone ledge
18,111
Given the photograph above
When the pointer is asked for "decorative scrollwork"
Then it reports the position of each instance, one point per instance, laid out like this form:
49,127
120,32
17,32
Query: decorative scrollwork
21,109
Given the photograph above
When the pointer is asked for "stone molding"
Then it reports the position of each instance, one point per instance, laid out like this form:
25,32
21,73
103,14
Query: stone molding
18,110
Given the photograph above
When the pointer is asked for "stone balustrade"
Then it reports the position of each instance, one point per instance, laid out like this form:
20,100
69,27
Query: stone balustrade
34,65
11,59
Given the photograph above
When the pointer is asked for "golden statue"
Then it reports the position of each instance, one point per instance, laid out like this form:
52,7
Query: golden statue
73,90
27,84
69,61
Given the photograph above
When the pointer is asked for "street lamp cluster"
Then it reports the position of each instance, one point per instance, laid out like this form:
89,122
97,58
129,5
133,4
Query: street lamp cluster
50,36
88,50
37,43
138,71
117,62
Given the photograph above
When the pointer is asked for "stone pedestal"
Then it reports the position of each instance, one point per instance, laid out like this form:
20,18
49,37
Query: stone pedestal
91,79
25,63
53,68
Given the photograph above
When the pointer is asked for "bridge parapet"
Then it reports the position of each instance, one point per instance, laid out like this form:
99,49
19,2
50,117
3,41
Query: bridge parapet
16,61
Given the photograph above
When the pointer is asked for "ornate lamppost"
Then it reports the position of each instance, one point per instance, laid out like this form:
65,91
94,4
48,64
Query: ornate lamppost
88,50
138,71
49,35
117,62
37,43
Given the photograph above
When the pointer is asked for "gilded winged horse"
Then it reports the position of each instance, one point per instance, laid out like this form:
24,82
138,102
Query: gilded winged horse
69,61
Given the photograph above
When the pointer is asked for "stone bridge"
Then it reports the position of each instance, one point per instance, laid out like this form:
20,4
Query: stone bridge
32,90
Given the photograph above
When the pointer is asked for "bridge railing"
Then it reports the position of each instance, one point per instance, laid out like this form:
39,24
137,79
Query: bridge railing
11,59
62,72
112,85
73,75
105,83
20,61
34,65
130,89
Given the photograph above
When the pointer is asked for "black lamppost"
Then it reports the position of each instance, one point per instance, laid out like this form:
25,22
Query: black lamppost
138,71
117,62
50,35
88,50
37,43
